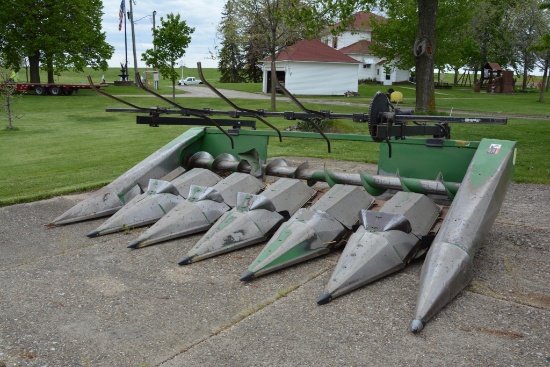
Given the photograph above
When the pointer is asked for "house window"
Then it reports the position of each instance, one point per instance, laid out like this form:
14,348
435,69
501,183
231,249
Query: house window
378,72
367,66
334,42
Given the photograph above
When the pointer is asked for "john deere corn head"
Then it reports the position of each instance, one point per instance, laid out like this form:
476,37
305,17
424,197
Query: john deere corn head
431,196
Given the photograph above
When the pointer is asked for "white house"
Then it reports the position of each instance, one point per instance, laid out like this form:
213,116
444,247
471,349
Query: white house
356,41
310,67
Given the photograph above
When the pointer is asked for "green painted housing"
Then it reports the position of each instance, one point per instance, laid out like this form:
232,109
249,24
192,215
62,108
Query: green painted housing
411,157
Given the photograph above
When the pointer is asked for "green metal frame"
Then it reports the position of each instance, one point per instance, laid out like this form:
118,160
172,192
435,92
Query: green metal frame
411,157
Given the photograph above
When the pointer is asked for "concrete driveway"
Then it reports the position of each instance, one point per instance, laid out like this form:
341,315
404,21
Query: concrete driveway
67,300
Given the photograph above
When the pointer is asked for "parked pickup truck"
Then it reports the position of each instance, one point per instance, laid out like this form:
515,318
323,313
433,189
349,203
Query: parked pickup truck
189,81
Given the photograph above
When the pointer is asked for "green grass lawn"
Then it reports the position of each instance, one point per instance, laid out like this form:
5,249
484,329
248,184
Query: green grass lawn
68,144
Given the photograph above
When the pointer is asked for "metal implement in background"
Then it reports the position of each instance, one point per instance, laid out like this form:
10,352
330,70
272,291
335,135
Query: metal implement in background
418,165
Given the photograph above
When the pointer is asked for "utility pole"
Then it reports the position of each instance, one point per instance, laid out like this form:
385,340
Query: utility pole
155,71
133,39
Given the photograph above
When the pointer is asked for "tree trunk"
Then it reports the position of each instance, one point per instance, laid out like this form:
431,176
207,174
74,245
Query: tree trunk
49,67
525,71
34,67
544,77
547,70
456,77
173,90
51,77
273,83
424,51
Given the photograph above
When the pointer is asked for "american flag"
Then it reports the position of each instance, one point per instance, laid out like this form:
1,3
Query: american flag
120,15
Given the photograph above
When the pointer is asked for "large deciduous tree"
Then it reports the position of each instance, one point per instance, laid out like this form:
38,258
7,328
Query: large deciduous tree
56,35
398,32
424,46
231,62
266,27
543,46
170,41
528,24
493,40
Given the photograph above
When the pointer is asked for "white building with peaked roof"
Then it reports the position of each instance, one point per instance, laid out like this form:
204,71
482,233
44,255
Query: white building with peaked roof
310,67
355,42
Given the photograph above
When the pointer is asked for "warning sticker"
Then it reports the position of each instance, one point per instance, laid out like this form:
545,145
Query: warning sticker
494,149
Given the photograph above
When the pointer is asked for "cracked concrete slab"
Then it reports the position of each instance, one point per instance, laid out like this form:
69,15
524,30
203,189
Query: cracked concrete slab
68,300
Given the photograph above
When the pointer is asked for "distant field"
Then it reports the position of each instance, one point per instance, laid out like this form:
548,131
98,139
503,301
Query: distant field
67,144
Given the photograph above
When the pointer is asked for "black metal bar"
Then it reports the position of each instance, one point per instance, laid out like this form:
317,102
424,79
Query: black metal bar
316,114
156,121
401,131
138,109
452,119
237,108
191,112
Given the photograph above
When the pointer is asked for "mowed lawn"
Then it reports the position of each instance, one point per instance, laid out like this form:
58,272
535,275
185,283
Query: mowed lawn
67,144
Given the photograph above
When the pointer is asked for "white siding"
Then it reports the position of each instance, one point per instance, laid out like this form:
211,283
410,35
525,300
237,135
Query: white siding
347,38
366,72
402,75
316,78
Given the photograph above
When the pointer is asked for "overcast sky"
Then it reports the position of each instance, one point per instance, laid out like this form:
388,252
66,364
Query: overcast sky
204,16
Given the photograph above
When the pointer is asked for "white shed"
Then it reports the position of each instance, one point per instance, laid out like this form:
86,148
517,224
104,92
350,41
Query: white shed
310,67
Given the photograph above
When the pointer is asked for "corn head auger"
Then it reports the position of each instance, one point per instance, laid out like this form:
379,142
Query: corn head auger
431,195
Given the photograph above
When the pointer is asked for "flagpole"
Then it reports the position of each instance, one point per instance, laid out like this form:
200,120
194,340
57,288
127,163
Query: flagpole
125,40
133,38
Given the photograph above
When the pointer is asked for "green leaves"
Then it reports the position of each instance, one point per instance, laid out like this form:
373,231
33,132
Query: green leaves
170,41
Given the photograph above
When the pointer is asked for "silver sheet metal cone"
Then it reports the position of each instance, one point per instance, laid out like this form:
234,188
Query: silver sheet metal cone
185,219
343,203
161,197
100,203
306,235
253,220
133,182
386,241
312,232
447,269
199,212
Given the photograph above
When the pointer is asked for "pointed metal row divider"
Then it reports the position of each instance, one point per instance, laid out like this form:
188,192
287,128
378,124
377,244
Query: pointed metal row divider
385,242
252,220
312,232
165,162
161,196
201,209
